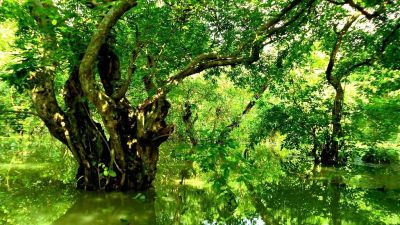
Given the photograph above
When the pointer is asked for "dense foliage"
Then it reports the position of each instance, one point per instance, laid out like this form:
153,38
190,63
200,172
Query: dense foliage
245,92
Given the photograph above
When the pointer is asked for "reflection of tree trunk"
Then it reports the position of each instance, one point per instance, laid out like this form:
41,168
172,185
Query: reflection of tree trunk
258,204
109,209
335,205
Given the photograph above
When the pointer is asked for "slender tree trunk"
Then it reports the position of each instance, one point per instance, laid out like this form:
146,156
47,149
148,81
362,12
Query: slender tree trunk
337,134
330,153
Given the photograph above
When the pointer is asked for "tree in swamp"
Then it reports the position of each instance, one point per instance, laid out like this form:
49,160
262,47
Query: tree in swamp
355,48
123,58
357,42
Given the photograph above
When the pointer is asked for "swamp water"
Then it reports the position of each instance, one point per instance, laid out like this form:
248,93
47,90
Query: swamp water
366,194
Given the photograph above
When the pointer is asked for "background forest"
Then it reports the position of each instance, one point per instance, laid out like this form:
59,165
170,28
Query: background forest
237,112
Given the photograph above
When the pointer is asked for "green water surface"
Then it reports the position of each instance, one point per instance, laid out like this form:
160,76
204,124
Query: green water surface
366,194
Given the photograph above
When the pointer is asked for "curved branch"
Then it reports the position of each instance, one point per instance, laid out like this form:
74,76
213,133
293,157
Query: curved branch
359,8
332,59
86,76
212,60
279,17
105,104
369,61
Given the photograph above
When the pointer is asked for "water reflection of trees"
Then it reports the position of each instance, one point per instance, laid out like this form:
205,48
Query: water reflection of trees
111,209
309,201
325,199
318,198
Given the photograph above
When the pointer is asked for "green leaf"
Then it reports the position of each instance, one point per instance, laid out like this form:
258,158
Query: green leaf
54,22
112,173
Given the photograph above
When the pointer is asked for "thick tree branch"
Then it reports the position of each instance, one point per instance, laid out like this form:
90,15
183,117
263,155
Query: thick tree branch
86,75
43,94
212,60
361,9
105,105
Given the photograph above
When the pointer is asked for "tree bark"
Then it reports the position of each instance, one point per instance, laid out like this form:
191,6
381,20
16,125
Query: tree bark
330,154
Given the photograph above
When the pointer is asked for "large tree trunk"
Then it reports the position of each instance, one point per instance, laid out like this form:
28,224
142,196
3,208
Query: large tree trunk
121,153
130,164
140,132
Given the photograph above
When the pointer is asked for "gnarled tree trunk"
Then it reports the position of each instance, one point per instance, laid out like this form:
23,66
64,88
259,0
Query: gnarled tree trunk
123,155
